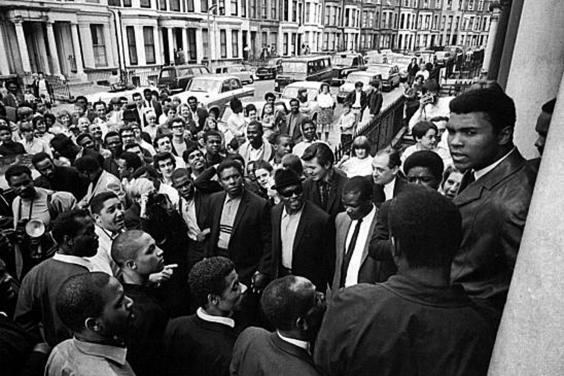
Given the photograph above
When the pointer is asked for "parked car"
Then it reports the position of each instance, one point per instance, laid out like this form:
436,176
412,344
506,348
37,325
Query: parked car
270,69
309,68
215,90
313,87
346,63
402,61
389,75
175,78
238,70
443,57
348,86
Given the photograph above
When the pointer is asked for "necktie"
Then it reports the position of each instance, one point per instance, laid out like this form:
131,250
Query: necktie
349,253
467,179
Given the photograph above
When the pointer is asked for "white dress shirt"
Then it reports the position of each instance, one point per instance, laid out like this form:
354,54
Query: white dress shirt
216,319
479,173
288,227
188,211
356,259
389,189
296,342
102,261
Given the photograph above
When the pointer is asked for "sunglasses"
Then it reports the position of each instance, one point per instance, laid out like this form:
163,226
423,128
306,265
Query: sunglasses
298,190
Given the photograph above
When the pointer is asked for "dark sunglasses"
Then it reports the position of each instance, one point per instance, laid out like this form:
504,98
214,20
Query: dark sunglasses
290,192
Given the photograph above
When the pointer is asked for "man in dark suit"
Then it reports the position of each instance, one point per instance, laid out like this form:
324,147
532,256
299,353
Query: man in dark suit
375,99
240,226
58,178
387,176
354,229
295,309
199,116
358,100
149,102
301,242
325,183
494,195
294,121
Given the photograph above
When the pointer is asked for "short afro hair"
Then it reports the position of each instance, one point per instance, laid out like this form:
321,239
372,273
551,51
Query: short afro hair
97,203
426,226
81,297
16,170
207,277
87,163
425,158
67,224
228,163
285,300
498,106
361,185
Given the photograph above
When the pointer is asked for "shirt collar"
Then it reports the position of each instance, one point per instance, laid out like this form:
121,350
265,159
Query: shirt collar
479,173
113,353
234,199
285,213
70,259
296,342
216,319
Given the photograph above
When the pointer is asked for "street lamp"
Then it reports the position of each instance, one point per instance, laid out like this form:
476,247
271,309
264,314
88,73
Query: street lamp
211,10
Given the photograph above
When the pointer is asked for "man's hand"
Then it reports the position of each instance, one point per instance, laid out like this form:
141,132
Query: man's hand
201,236
258,282
164,275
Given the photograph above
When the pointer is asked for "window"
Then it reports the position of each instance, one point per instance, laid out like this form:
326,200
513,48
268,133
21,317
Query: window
175,5
347,14
221,7
285,10
337,20
470,4
449,4
190,6
97,32
243,8
206,43
145,3
307,10
294,11
264,9
204,6
192,44
438,4
273,9
300,14
126,3
273,41
114,3
235,43
234,7
223,43
481,5
149,39
131,45
253,9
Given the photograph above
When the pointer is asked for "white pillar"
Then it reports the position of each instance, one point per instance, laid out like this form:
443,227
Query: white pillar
158,47
4,63
185,44
39,39
212,42
140,43
77,53
529,340
22,45
539,48
229,50
170,44
108,45
494,20
87,47
199,45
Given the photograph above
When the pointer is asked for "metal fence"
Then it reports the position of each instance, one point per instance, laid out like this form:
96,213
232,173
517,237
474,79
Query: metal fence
382,131
60,87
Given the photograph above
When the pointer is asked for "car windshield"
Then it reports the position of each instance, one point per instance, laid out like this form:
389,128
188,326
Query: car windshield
294,67
352,77
167,73
342,60
271,63
292,92
204,85
374,69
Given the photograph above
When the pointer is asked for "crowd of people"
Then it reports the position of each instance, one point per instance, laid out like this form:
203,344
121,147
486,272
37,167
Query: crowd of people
146,239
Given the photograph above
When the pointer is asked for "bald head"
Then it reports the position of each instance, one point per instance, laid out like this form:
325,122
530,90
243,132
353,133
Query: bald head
136,253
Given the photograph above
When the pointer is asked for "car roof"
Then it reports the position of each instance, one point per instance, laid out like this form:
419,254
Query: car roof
380,65
306,84
216,77
305,58
183,66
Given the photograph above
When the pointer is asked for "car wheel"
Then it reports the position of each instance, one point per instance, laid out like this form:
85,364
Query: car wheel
251,80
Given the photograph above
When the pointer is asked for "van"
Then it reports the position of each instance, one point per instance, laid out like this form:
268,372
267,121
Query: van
309,68
175,78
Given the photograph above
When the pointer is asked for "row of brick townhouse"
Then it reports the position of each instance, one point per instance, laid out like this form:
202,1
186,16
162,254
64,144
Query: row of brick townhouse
87,40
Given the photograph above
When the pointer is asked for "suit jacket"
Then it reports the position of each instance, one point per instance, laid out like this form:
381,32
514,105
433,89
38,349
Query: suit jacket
375,102
371,269
493,209
297,131
156,107
312,255
380,247
259,352
250,244
202,117
351,98
334,203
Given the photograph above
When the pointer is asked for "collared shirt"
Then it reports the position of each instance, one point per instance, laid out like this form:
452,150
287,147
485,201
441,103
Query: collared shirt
217,319
188,211
389,189
296,342
75,357
356,258
71,259
288,227
195,117
102,261
38,208
479,173
36,146
357,96
228,213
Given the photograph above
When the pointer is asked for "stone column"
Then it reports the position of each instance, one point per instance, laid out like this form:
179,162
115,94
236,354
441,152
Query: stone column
170,37
4,63
22,45
536,66
158,47
529,340
87,47
56,65
199,45
110,57
140,43
38,37
77,52
185,44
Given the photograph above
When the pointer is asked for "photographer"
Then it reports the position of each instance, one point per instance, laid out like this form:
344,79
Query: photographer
37,207
431,104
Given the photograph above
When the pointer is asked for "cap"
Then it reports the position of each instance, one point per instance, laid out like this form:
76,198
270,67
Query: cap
284,178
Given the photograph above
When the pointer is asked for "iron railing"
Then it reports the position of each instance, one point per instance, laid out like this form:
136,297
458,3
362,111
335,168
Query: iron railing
60,87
